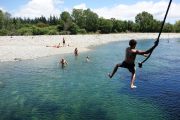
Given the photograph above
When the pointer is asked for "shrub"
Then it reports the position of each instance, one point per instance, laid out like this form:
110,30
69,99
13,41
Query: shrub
52,32
82,31
24,31
3,32
39,31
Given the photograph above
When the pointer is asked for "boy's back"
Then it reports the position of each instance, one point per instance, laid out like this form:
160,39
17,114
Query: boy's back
130,55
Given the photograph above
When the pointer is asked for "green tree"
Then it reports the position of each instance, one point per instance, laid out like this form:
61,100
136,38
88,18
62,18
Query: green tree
118,25
42,19
156,25
91,19
145,21
65,16
79,17
135,27
177,26
60,26
80,21
1,19
105,25
52,20
74,28
7,21
130,25
17,23
168,27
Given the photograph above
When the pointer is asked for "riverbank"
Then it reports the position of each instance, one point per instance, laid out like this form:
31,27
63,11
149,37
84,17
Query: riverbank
31,47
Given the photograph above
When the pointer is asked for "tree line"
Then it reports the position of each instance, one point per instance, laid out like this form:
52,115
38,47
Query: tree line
80,22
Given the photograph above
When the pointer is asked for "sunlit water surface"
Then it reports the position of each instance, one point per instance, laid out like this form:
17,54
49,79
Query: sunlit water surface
41,90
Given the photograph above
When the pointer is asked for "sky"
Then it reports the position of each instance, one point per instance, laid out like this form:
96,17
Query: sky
119,9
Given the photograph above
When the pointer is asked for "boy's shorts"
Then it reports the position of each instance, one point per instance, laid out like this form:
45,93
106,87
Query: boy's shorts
130,67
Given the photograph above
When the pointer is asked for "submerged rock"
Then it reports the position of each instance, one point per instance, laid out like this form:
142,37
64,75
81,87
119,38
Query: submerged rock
2,85
17,59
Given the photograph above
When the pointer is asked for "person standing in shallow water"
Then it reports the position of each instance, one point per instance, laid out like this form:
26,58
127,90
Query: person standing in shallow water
64,42
76,52
87,59
129,61
63,62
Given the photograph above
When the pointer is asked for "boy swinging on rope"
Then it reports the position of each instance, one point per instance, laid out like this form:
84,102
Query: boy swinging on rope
129,61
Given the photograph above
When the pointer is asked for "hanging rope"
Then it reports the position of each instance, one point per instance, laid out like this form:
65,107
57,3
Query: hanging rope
140,64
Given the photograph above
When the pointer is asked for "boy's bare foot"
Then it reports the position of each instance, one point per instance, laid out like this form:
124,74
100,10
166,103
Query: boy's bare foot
133,86
109,75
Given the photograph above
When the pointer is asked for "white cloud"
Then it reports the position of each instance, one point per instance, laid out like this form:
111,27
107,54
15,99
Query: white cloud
80,6
2,9
128,12
37,8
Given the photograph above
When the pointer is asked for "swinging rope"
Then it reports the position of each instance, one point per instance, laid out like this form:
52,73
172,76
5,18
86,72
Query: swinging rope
157,41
